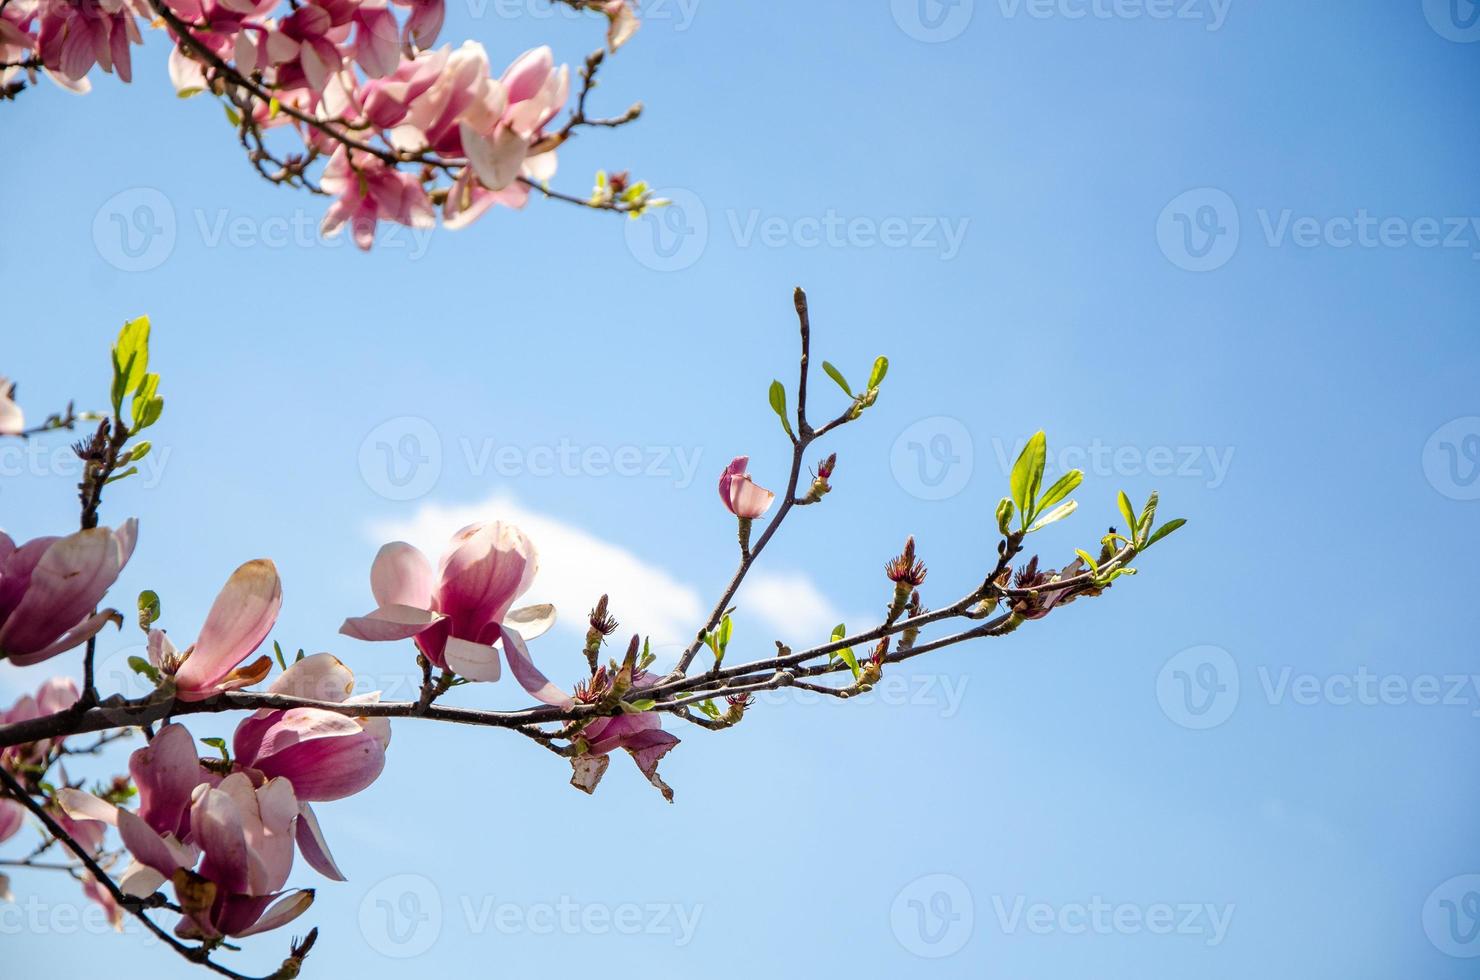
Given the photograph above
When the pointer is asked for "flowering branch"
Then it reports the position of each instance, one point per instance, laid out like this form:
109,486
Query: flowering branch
309,738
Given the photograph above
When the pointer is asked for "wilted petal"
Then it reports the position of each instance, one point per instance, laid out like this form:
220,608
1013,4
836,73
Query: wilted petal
587,771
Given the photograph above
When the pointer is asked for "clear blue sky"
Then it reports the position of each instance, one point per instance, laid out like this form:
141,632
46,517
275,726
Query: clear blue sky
1330,538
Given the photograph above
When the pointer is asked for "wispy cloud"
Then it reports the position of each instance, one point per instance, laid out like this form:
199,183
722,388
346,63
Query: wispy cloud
576,567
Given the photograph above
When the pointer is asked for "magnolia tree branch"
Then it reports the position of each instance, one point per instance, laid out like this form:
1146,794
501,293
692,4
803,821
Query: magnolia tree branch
846,665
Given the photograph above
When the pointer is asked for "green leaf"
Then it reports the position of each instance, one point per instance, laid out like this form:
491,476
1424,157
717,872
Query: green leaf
837,376
1148,514
778,405
120,476
722,638
1057,514
148,609
881,368
645,704
130,360
846,654
1062,487
1129,515
144,397
1004,516
710,709
141,666
1163,531
277,651
1027,475
139,451
219,744
1089,560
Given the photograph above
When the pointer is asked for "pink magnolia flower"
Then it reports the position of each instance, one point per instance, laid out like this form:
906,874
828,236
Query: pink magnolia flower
12,819
498,144
387,101
377,47
424,22
226,843
12,419
240,619
370,190
74,35
742,496
55,694
457,618
640,733
325,755
50,588
623,23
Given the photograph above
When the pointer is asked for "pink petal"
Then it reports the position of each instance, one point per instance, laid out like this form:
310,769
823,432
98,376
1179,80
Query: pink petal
489,566
528,675
313,846
475,661
392,622
280,914
216,822
166,772
401,576
239,620
321,677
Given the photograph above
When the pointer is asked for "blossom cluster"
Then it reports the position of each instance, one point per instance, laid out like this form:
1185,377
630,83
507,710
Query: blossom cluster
405,127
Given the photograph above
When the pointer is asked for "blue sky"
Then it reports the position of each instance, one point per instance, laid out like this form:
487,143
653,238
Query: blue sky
1229,254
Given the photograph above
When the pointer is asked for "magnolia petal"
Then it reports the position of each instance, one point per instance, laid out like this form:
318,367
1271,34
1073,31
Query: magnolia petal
70,640
401,576
390,622
285,911
475,661
528,675
646,749
140,880
321,677
167,772
216,822
84,806
587,771
240,619
532,621
313,846
147,847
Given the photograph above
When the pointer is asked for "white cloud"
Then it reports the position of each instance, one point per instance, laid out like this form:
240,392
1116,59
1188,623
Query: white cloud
576,567
791,603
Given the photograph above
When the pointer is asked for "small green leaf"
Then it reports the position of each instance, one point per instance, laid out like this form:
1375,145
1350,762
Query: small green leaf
837,376
1088,560
1129,515
121,476
1163,531
141,666
709,709
139,451
778,405
846,654
881,368
1004,516
1027,475
1148,514
219,744
1062,487
277,651
1057,514
148,609
645,704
